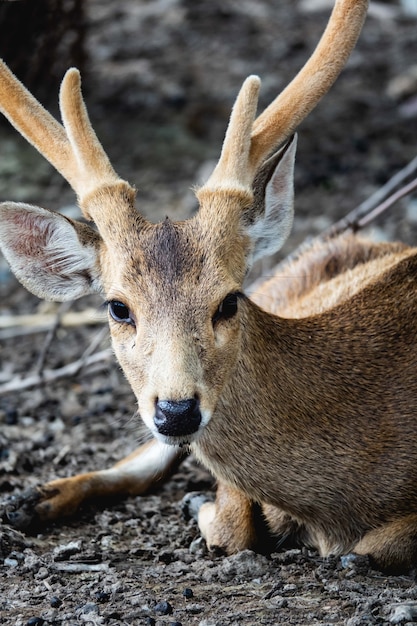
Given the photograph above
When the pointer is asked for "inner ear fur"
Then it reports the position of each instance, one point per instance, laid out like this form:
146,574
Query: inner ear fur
261,180
54,257
268,221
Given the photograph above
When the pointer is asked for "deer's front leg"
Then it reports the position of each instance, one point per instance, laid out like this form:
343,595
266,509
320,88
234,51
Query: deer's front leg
392,547
148,465
228,523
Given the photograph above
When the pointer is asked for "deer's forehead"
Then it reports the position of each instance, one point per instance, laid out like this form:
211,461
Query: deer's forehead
170,251
169,260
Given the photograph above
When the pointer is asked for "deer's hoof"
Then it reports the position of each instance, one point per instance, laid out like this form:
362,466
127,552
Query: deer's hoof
192,502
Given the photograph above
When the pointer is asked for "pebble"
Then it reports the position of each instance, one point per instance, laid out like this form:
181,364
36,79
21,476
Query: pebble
102,596
194,609
90,607
42,573
188,593
164,608
245,565
198,547
404,612
64,551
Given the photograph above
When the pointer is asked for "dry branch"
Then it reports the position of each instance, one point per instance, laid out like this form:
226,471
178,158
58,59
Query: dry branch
18,325
378,202
90,365
361,216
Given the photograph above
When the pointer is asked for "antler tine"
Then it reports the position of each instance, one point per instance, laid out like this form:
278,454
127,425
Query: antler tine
73,149
231,171
286,112
32,121
90,163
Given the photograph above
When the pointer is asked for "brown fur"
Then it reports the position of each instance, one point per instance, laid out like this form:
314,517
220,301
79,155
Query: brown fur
305,405
334,451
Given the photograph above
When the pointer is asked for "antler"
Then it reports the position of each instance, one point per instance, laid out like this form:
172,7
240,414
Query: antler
252,143
73,149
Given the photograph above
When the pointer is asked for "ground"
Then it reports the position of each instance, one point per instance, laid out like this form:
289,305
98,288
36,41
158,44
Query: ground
161,79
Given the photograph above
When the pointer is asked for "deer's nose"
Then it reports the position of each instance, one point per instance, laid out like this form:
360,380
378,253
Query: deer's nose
177,418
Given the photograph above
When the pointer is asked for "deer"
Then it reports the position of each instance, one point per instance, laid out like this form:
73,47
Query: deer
301,399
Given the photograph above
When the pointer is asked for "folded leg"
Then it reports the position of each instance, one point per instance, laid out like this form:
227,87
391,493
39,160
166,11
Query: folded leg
393,546
150,464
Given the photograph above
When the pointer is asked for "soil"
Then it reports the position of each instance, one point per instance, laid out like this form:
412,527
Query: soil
160,82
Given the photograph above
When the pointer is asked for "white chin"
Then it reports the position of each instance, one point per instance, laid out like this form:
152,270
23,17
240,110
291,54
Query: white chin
175,441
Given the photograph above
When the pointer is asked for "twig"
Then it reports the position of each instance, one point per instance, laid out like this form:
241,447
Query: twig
96,341
78,568
361,216
375,204
404,191
63,308
94,363
16,325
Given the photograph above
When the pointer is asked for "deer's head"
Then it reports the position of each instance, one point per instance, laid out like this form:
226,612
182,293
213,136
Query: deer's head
173,289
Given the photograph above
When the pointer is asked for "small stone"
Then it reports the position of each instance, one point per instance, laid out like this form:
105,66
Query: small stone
64,551
35,621
198,547
188,593
404,612
55,602
245,565
90,607
164,608
42,573
102,596
347,560
194,609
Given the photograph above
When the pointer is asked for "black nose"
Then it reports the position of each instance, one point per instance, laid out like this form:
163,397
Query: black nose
175,419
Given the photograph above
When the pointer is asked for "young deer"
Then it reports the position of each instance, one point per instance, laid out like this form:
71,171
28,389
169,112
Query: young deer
311,414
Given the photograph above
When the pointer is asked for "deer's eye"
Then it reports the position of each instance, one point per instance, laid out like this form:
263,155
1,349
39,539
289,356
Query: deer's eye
226,309
120,312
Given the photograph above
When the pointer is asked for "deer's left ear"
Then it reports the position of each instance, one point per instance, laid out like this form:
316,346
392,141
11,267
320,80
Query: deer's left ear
268,222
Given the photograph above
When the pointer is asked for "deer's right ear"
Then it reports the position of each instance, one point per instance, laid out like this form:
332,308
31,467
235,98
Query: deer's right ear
52,256
268,223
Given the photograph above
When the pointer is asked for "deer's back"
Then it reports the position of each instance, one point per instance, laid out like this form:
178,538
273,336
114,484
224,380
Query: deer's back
327,274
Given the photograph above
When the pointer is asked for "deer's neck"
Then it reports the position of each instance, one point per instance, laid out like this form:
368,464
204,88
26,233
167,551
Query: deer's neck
270,403
296,423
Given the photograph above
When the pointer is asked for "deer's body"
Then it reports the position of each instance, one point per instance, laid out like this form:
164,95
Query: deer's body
308,405
337,457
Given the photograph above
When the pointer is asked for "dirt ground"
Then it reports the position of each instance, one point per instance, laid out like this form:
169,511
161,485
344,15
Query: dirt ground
161,78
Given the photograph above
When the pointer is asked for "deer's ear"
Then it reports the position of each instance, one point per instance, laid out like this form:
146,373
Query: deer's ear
269,221
52,256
